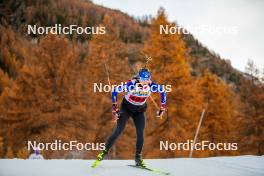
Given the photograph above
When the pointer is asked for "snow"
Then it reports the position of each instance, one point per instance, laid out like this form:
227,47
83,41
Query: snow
216,166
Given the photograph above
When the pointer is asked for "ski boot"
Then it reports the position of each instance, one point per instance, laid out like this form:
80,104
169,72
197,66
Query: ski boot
100,157
139,161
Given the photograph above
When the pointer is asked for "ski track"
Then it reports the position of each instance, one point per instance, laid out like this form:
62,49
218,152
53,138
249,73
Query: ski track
216,166
248,170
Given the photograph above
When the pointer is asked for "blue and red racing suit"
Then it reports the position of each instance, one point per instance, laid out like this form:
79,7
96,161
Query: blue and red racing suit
133,105
137,94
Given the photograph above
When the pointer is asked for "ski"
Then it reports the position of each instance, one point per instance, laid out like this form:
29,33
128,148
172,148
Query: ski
151,170
95,163
100,157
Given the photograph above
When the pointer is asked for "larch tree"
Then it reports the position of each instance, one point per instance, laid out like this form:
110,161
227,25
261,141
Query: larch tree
170,66
9,153
13,51
252,121
23,153
1,146
45,104
220,114
5,81
106,65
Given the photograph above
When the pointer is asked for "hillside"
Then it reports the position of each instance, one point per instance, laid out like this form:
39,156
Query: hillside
18,14
46,83
202,58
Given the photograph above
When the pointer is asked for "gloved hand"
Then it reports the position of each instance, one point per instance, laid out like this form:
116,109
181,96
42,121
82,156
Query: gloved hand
115,112
161,111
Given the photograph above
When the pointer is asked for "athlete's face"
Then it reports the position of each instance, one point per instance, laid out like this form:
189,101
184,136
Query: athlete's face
145,82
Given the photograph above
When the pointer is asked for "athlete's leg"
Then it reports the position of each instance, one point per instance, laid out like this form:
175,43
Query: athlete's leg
139,121
121,123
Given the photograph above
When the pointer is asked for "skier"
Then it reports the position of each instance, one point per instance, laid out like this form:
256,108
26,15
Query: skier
36,154
133,105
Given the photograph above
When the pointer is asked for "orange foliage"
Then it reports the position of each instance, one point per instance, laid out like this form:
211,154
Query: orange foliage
170,66
47,82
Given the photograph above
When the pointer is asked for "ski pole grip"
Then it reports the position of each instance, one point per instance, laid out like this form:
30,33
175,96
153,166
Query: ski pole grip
160,113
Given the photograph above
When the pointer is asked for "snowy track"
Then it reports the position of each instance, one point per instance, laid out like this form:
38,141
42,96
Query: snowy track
216,166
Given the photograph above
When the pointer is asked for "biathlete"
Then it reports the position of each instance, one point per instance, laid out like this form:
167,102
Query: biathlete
133,105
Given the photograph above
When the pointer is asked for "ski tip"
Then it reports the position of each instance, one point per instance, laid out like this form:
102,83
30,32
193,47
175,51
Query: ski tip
95,164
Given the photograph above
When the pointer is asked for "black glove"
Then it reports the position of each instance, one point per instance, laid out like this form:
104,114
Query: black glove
161,111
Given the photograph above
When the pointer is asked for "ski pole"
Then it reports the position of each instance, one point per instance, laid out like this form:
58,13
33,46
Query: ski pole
108,79
198,129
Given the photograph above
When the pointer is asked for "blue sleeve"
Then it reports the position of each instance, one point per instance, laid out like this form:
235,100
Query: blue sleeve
160,89
120,88
114,96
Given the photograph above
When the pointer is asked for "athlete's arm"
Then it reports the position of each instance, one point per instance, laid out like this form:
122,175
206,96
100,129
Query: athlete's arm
121,88
116,90
160,89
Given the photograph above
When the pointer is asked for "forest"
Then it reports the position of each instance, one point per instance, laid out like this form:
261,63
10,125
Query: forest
47,82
